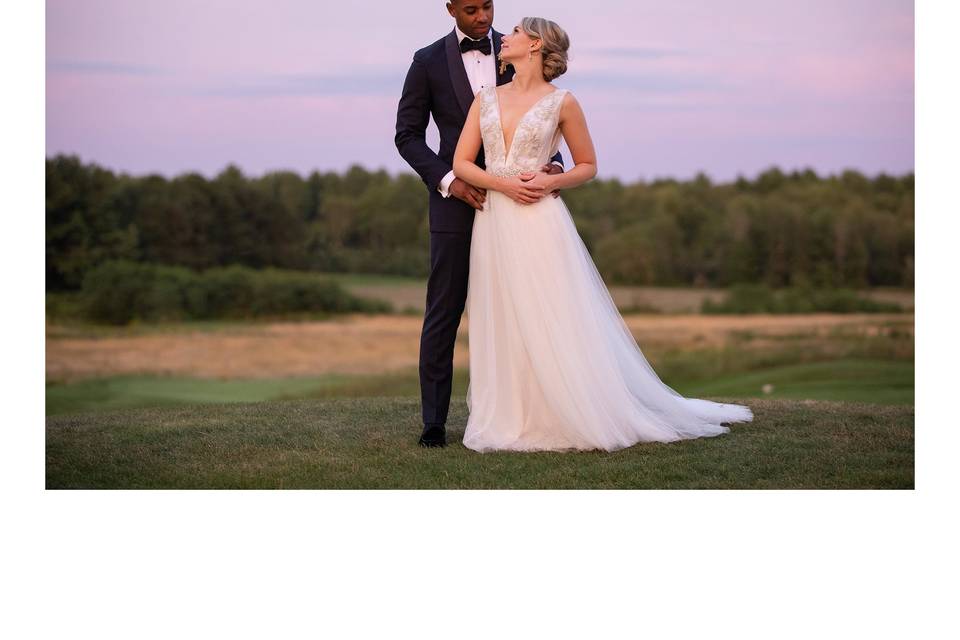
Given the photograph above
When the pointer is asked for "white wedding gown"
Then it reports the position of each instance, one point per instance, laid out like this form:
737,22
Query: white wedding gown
553,366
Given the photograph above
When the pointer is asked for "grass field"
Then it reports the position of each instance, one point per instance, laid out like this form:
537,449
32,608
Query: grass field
335,404
408,294
877,381
370,443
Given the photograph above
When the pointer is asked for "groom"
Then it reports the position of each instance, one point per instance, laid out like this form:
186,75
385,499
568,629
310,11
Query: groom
443,79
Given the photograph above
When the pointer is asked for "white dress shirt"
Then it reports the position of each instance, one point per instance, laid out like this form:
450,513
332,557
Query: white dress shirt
482,72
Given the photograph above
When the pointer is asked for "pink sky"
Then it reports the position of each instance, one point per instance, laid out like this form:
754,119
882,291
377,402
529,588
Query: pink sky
669,88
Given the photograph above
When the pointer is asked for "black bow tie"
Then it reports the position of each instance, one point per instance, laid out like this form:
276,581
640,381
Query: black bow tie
483,46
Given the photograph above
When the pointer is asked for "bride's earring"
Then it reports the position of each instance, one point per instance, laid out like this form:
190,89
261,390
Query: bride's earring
503,65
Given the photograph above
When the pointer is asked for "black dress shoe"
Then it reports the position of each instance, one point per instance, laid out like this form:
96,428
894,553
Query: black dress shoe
433,436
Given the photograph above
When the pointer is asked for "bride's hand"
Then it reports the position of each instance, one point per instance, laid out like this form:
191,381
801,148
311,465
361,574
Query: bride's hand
543,180
552,168
520,190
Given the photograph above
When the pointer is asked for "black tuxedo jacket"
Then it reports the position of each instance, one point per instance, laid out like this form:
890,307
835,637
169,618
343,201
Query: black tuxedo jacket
437,84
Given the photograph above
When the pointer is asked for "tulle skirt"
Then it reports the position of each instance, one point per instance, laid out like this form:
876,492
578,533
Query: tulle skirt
553,365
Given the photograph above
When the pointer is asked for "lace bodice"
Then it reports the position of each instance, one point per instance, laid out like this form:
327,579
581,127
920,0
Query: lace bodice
535,141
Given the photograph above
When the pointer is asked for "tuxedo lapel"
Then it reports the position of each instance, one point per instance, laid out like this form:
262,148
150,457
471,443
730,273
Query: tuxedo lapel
458,75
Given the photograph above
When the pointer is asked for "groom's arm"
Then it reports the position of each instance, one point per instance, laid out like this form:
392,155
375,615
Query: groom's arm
413,116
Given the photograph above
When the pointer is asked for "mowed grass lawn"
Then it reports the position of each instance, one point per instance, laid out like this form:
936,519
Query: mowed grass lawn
833,406
370,443
851,379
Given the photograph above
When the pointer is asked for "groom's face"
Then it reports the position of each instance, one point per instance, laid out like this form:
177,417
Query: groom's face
473,17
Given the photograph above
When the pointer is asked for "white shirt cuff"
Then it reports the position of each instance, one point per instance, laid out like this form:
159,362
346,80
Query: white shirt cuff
444,185
558,164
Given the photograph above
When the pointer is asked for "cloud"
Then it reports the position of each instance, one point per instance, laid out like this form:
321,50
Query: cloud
647,83
109,68
307,84
644,53
390,83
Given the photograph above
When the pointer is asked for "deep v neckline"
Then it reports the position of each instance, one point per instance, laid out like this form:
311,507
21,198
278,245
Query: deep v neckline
503,134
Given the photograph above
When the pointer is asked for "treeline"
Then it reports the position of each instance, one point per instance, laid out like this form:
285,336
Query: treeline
780,229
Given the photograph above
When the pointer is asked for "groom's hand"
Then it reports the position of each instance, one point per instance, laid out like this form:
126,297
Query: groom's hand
551,168
468,193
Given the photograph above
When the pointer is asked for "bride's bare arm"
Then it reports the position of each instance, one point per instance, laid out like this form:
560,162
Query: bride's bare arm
573,126
468,146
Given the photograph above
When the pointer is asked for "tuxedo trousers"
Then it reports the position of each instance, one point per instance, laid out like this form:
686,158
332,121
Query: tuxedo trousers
446,300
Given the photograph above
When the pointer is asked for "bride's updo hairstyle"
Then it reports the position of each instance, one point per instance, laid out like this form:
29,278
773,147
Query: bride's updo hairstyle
554,45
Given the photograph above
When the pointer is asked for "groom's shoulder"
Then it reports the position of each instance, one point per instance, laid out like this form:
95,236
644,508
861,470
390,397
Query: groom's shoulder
432,49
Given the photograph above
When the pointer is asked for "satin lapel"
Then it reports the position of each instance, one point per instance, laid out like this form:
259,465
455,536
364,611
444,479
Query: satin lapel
458,75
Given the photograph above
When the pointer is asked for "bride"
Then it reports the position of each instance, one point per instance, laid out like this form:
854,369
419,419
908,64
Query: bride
553,366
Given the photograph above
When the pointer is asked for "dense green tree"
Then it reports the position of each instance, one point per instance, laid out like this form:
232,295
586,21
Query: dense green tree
794,229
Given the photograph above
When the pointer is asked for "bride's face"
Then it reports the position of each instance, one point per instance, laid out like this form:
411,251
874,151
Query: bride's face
517,44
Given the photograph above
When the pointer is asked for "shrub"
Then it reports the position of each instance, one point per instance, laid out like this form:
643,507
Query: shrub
758,298
118,292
